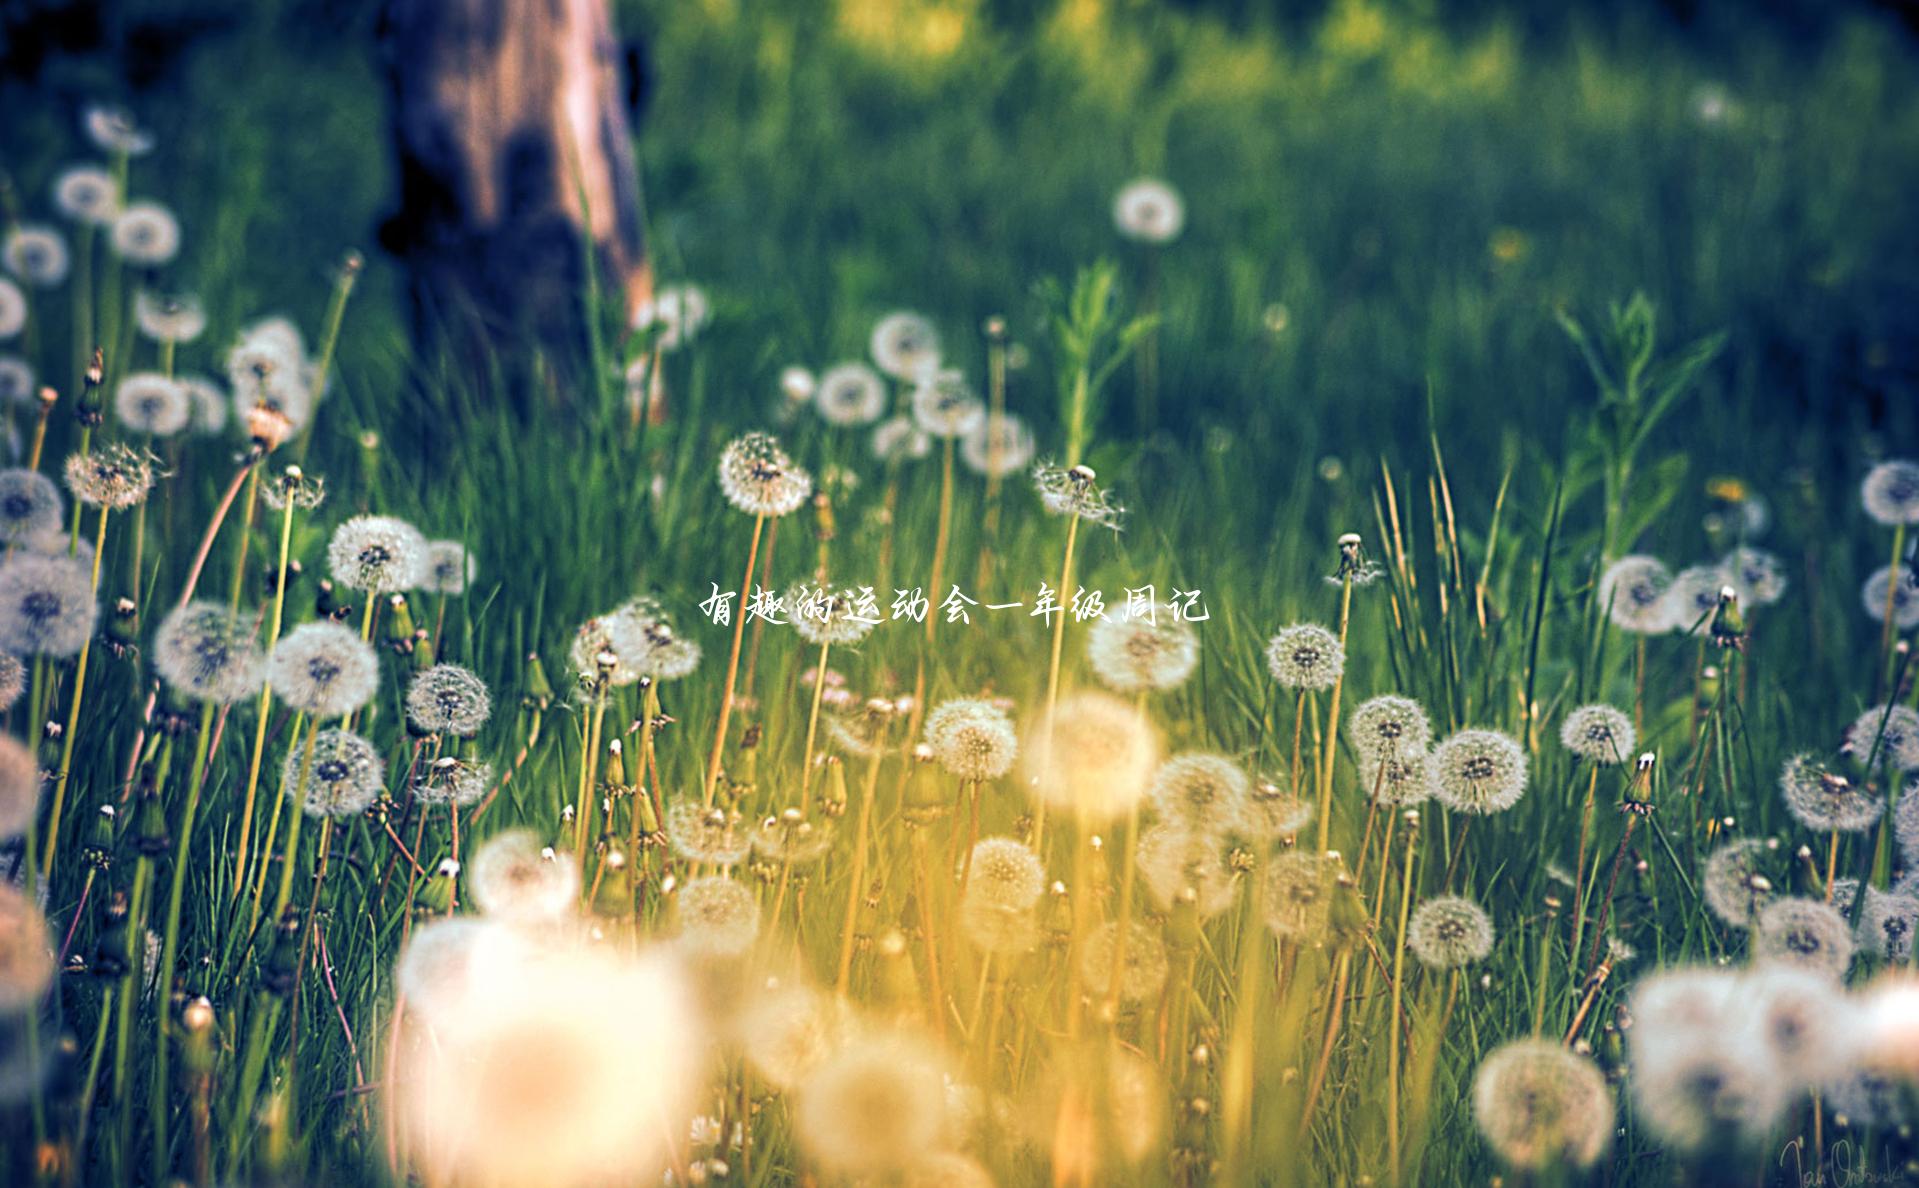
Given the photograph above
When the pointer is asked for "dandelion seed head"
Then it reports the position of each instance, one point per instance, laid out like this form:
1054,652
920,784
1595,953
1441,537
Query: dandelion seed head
680,312
791,838
344,778
377,554
37,254
1905,824
875,1106
1156,650
1757,576
516,877
30,505
1599,733
719,917
1886,925
1702,1087
1822,799
1804,933
146,233
1390,725
1173,861
1074,491
207,651
1867,1097
87,194
826,615
848,394
269,386
1541,1105
16,381
900,439
972,738
1397,781
1633,591
1803,1019
13,309
1694,596
47,607
1006,873
1149,210
1101,754
905,346
1203,793
997,928
945,407
151,403
999,446
1448,931
170,319
1885,735
1306,656
26,951
788,1032
1735,884
1299,893
13,680
1143,965
323,669
758,477
114,476
115,130
454,781
1904,583
706,833
448,699
1890,492
1478,771
450,568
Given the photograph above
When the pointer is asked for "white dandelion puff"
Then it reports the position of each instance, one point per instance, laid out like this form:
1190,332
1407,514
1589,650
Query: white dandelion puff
1149,210
146,233
905,346
1156,650
1890,492
207,651
344,777
1478,771
849,394
47,607
151,403
1305,656
758,477
323,669
37,254
514,876
1599,733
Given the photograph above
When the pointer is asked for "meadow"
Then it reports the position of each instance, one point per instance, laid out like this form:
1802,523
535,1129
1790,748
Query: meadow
1151,601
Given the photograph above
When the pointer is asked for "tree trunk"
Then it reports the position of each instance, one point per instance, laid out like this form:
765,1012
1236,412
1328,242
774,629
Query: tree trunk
515,157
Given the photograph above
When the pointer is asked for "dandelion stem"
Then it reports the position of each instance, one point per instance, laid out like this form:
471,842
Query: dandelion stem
1332,718
65,775
857,876
266,702
813,727
733,663
1052,678
170,944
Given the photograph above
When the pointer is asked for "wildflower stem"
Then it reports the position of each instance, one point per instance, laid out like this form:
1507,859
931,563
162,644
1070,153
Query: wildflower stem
239,580
65,775
1394,1165
1332,718
213,529
857,876
170,944
266,702
733,663
1886,634
1052,678
292,850
813,727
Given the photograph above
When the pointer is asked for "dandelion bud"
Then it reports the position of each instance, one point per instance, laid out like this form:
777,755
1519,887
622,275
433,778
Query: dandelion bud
96,849
48,398
281,973
150,836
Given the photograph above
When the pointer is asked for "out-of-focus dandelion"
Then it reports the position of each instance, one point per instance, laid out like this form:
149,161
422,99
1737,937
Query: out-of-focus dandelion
115,130
1156,650
1143,965
1758,576
1698,1088
207,651
1305,656
13,680
16,381
1540,1106
1174,862
944,407
1598,733
1202,793
344,777
323,669
13,309
169,318
1734,882
905,346
514,877
875,1106
1005,873
448,699
1101,756
1478,771
1890,493
1693,598
146,233
1885,735
30,505
1886,925
26,952
151,403
87,194
679,312
712,835
1149,210
900,439
1299,894
20,780
1448,931
449,568
1633,591
849,394
719,917
998,446
1803,933
1822,799
47,607
377,554
37,254
1894,588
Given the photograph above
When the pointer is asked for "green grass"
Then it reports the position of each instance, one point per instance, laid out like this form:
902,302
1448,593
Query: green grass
1385,222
